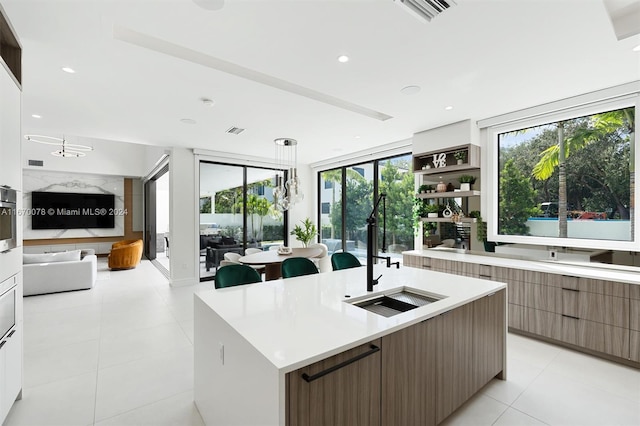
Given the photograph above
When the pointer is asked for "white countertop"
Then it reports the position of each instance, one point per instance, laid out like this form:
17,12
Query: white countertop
297,321
597,271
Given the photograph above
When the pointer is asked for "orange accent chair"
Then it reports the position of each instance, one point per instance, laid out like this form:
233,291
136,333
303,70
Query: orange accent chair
125,254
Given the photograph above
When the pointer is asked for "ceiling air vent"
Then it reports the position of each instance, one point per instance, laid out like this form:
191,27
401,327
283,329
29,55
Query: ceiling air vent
235,130
427,9
38,163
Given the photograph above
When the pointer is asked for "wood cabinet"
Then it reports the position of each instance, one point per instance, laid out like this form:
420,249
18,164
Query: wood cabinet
634,323
600,316
454,360
418,375
409,375
341,390
489,330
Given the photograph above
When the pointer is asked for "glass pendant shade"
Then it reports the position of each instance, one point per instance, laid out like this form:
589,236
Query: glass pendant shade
286,194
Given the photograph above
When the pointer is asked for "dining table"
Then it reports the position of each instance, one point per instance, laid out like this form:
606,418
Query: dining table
272,260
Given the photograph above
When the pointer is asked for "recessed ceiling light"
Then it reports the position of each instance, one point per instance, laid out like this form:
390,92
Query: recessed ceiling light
343,58
36,115
69,70
410,90
637,48
187,121
207,102
448,108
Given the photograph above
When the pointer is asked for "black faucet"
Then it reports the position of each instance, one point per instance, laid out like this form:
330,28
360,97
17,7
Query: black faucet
371,235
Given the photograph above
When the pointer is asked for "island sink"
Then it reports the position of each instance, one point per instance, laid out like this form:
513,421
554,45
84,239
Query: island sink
392,304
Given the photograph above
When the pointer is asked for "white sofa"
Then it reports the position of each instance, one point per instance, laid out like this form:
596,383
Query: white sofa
56,272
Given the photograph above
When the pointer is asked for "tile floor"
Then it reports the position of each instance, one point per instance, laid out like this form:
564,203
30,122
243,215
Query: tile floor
122,354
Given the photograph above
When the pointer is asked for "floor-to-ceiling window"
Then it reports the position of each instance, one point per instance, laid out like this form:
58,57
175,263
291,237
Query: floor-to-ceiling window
346,197
236,212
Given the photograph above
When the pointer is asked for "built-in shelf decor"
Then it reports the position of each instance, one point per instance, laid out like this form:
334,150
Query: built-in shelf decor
445,161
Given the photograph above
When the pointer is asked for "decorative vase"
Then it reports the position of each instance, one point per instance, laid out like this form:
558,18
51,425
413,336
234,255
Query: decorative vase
447,212
442,187
460,161
465,186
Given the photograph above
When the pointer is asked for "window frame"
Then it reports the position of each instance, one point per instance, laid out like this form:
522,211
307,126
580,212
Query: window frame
490,210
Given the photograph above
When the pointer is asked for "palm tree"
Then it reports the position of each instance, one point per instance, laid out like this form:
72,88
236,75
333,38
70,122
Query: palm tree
556,155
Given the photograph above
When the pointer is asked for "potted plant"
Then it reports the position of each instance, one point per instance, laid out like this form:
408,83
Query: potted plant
432,210
306,233
466,181
481,232
460,156
423,189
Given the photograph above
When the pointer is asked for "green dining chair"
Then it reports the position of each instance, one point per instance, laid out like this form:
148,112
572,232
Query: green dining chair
298,266
236,274
344,260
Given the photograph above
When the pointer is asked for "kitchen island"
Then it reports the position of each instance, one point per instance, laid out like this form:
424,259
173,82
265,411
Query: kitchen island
298,352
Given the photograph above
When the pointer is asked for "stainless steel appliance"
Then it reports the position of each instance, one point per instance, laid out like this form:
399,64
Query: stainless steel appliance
8,216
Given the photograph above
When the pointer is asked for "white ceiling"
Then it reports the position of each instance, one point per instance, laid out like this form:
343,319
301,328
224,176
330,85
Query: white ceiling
483,57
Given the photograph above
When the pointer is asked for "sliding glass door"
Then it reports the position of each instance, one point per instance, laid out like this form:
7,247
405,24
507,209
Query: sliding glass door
346,198
236,213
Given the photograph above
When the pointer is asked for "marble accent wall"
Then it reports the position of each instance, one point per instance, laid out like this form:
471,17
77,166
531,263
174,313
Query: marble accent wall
48,181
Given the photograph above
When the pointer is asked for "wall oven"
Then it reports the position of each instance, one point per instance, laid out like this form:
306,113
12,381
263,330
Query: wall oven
8,216
7,308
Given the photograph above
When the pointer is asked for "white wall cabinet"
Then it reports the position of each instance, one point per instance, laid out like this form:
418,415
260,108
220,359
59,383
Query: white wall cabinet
11,369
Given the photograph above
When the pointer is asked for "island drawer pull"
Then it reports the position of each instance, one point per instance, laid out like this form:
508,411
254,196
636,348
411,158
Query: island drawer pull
571,289
373,349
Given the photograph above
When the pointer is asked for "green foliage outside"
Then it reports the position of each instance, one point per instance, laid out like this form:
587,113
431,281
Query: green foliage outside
595,165
517,201
272,232
397,181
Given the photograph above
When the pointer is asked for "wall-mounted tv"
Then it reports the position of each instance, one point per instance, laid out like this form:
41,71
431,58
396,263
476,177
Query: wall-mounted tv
69,210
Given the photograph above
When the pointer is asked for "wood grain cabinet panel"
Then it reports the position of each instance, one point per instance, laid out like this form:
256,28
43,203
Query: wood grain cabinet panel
347,396
608,288
485,271
439,265
605,309
517,292
507,275
604,338
634,291
455,347
634,314
634,346
488,338
544,297
570,303
409,375
563,281
468,269
548,324
516,316
534,277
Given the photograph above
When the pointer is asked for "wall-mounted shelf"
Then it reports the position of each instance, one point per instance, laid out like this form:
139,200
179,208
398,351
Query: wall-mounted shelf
456,194
446,158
